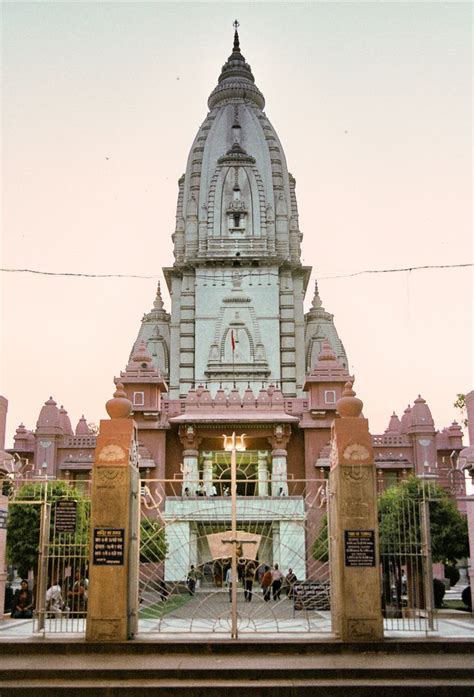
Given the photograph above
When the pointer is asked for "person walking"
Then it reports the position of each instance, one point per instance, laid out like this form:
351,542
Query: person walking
249,576
228,581
266,583
290,582
191,580
277,577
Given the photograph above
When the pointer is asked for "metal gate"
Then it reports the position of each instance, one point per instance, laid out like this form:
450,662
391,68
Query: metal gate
57,517
186,553
405,556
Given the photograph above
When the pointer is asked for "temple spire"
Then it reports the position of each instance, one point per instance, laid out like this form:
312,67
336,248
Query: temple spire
236,47
158,302
316,304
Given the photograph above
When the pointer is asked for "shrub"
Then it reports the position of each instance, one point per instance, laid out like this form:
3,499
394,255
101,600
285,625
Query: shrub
466,597
451,572
439,591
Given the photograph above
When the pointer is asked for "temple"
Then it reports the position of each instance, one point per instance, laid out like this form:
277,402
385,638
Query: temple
237,353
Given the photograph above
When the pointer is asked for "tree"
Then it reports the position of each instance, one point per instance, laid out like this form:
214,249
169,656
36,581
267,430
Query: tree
23,531
397,506
153,546
448,527
460,404
402,539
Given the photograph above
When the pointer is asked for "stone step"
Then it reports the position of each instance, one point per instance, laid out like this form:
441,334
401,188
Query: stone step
339,687
51,667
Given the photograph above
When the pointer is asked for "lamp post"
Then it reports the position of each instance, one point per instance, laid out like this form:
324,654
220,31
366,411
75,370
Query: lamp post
232,445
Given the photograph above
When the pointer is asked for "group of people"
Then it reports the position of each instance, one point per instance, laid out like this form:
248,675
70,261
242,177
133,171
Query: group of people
73,600
57,602
202,491
271,580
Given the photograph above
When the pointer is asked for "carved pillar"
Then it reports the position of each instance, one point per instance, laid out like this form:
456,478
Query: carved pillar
262,473
279,472
207,473
190,467
279,441
355,573
190,471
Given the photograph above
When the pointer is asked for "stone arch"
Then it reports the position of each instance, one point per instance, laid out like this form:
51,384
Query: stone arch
244,335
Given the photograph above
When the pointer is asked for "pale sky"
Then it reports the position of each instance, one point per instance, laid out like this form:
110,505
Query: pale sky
100,104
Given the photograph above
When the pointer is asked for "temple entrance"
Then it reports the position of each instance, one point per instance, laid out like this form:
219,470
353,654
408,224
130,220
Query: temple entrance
185,560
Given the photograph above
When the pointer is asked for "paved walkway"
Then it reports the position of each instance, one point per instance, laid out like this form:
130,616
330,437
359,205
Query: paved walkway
207,615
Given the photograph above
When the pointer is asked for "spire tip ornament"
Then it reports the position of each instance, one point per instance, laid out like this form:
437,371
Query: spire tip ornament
236,47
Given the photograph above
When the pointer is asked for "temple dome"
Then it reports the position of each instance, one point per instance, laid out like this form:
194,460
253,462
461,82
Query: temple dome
65,422
49,418
421,414
236,167
82,429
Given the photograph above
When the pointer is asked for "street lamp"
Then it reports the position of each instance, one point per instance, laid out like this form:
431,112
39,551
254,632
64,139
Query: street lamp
233,444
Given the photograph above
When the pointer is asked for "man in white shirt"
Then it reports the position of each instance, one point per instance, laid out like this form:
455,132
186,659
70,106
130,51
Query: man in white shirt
54,600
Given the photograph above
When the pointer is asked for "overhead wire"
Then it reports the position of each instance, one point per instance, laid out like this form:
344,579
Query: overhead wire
220,271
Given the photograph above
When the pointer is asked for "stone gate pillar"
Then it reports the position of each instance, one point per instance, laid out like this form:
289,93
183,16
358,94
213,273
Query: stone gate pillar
356,606
112,604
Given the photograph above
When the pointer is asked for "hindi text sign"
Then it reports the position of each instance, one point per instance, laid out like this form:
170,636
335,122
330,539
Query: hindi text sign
65,515
359,548
109,546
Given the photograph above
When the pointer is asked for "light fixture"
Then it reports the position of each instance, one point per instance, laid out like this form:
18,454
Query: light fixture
234,442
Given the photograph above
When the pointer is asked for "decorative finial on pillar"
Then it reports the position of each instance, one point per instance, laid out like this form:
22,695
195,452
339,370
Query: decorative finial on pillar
236,48
119,407
349,404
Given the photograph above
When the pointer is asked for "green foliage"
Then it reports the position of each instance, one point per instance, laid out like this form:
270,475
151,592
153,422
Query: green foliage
153,546
460,404
398,509
320,546
399,523
438,592
23,529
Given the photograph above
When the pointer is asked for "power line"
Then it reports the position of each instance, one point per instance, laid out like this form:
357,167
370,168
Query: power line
218,272
407,268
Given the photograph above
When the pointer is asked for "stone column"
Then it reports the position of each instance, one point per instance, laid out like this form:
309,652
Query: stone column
276,552
279,472
190,471
207,473
292,548
112,605
193,546
262,473
354,555
178,560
